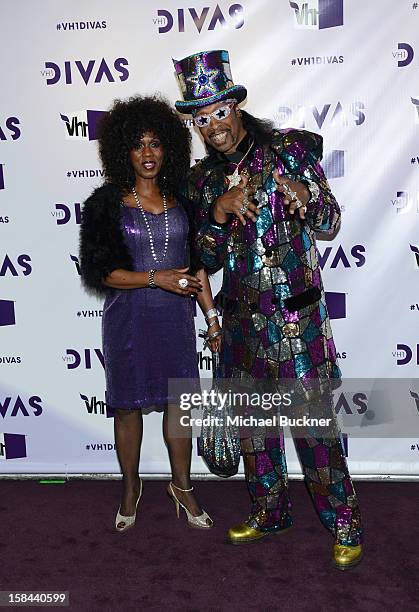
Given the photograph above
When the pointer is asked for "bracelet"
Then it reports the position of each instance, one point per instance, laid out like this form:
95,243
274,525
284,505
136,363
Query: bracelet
215,334
215,322
212,312
151,282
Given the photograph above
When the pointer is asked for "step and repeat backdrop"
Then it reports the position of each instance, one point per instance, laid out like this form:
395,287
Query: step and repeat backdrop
347,69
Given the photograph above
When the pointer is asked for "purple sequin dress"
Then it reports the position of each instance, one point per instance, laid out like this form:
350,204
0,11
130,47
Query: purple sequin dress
148,334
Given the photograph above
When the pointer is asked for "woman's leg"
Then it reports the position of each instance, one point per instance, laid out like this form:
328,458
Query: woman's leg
179,443
128,427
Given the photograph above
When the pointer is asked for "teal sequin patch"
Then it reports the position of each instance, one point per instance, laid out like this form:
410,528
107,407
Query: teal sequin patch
268,480
231,261
290,262
273,333
270,185
302,364
263,222
254,262
310,332
282,292
306,240
322,310
328,518
291,163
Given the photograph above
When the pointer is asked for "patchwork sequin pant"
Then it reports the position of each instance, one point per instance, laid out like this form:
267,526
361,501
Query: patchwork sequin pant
326,476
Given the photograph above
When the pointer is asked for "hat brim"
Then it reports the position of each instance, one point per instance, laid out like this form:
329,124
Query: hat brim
237,91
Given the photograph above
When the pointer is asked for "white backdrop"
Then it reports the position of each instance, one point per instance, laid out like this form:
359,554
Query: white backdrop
347,69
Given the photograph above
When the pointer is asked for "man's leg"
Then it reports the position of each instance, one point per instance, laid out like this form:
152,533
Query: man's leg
326,474
330,486
267,482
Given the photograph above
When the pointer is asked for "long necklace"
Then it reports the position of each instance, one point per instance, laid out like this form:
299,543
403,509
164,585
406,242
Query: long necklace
150,235
234,179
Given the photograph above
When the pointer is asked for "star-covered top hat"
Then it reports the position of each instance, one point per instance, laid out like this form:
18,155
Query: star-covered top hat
205,78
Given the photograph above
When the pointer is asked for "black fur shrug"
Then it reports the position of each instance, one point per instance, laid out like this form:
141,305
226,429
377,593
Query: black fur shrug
102,245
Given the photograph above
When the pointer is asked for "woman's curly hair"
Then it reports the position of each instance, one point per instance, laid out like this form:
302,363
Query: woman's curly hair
125,124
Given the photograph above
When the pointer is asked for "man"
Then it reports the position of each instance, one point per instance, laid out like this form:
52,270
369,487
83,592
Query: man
260,195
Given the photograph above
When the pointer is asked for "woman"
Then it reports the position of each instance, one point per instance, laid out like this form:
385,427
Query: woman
134,250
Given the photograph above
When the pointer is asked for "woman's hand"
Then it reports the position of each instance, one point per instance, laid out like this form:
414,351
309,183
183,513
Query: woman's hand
169,280
214,343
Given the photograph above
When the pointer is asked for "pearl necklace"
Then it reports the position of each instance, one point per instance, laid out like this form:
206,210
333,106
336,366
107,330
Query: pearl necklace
150,235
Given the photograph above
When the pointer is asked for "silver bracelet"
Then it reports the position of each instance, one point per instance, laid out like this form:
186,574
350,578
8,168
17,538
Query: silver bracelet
212,312
215,322
151,282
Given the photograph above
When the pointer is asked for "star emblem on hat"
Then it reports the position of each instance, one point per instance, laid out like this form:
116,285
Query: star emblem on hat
203,80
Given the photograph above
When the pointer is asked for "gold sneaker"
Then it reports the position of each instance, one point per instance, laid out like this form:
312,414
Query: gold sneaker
243,534
345,557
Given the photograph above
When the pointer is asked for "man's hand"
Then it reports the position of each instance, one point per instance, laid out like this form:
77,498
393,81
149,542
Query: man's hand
236,202
301,192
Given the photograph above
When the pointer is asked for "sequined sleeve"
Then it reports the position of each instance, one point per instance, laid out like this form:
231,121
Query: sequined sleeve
301,152
211,241
210,238
323,212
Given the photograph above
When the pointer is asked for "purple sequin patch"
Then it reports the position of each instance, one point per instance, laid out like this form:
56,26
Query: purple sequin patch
263,464
265,303
277,207
290,316
321,456
257,163
316,350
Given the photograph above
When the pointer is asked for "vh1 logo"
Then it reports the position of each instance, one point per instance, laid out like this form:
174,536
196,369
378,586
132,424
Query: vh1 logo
7,313
317,14
82,125
12,446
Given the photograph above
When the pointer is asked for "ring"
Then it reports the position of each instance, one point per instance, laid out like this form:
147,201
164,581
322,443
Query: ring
243,209
183,283
289,192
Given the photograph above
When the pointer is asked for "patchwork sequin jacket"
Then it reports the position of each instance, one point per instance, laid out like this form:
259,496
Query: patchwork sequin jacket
275,317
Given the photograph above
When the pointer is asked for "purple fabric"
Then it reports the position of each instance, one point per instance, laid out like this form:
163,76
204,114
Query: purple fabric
149,334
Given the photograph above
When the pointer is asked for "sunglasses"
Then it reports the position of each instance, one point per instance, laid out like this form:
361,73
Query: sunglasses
220,114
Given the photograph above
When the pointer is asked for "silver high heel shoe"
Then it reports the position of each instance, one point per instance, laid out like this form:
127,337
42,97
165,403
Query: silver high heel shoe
199,522
128,520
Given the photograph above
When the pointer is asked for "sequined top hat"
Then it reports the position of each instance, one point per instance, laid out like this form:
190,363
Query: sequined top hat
205,78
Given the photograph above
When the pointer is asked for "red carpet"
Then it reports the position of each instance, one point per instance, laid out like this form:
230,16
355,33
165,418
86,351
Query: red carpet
61,537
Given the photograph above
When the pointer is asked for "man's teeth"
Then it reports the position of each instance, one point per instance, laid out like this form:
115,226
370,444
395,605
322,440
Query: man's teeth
219,136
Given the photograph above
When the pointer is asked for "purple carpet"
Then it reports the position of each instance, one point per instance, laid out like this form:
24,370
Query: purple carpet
61,537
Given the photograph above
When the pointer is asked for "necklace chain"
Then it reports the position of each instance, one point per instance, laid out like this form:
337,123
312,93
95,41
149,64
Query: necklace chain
234,179
150,235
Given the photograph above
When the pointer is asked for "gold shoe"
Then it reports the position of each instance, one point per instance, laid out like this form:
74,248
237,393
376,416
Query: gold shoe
203,521
345,557
243,534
